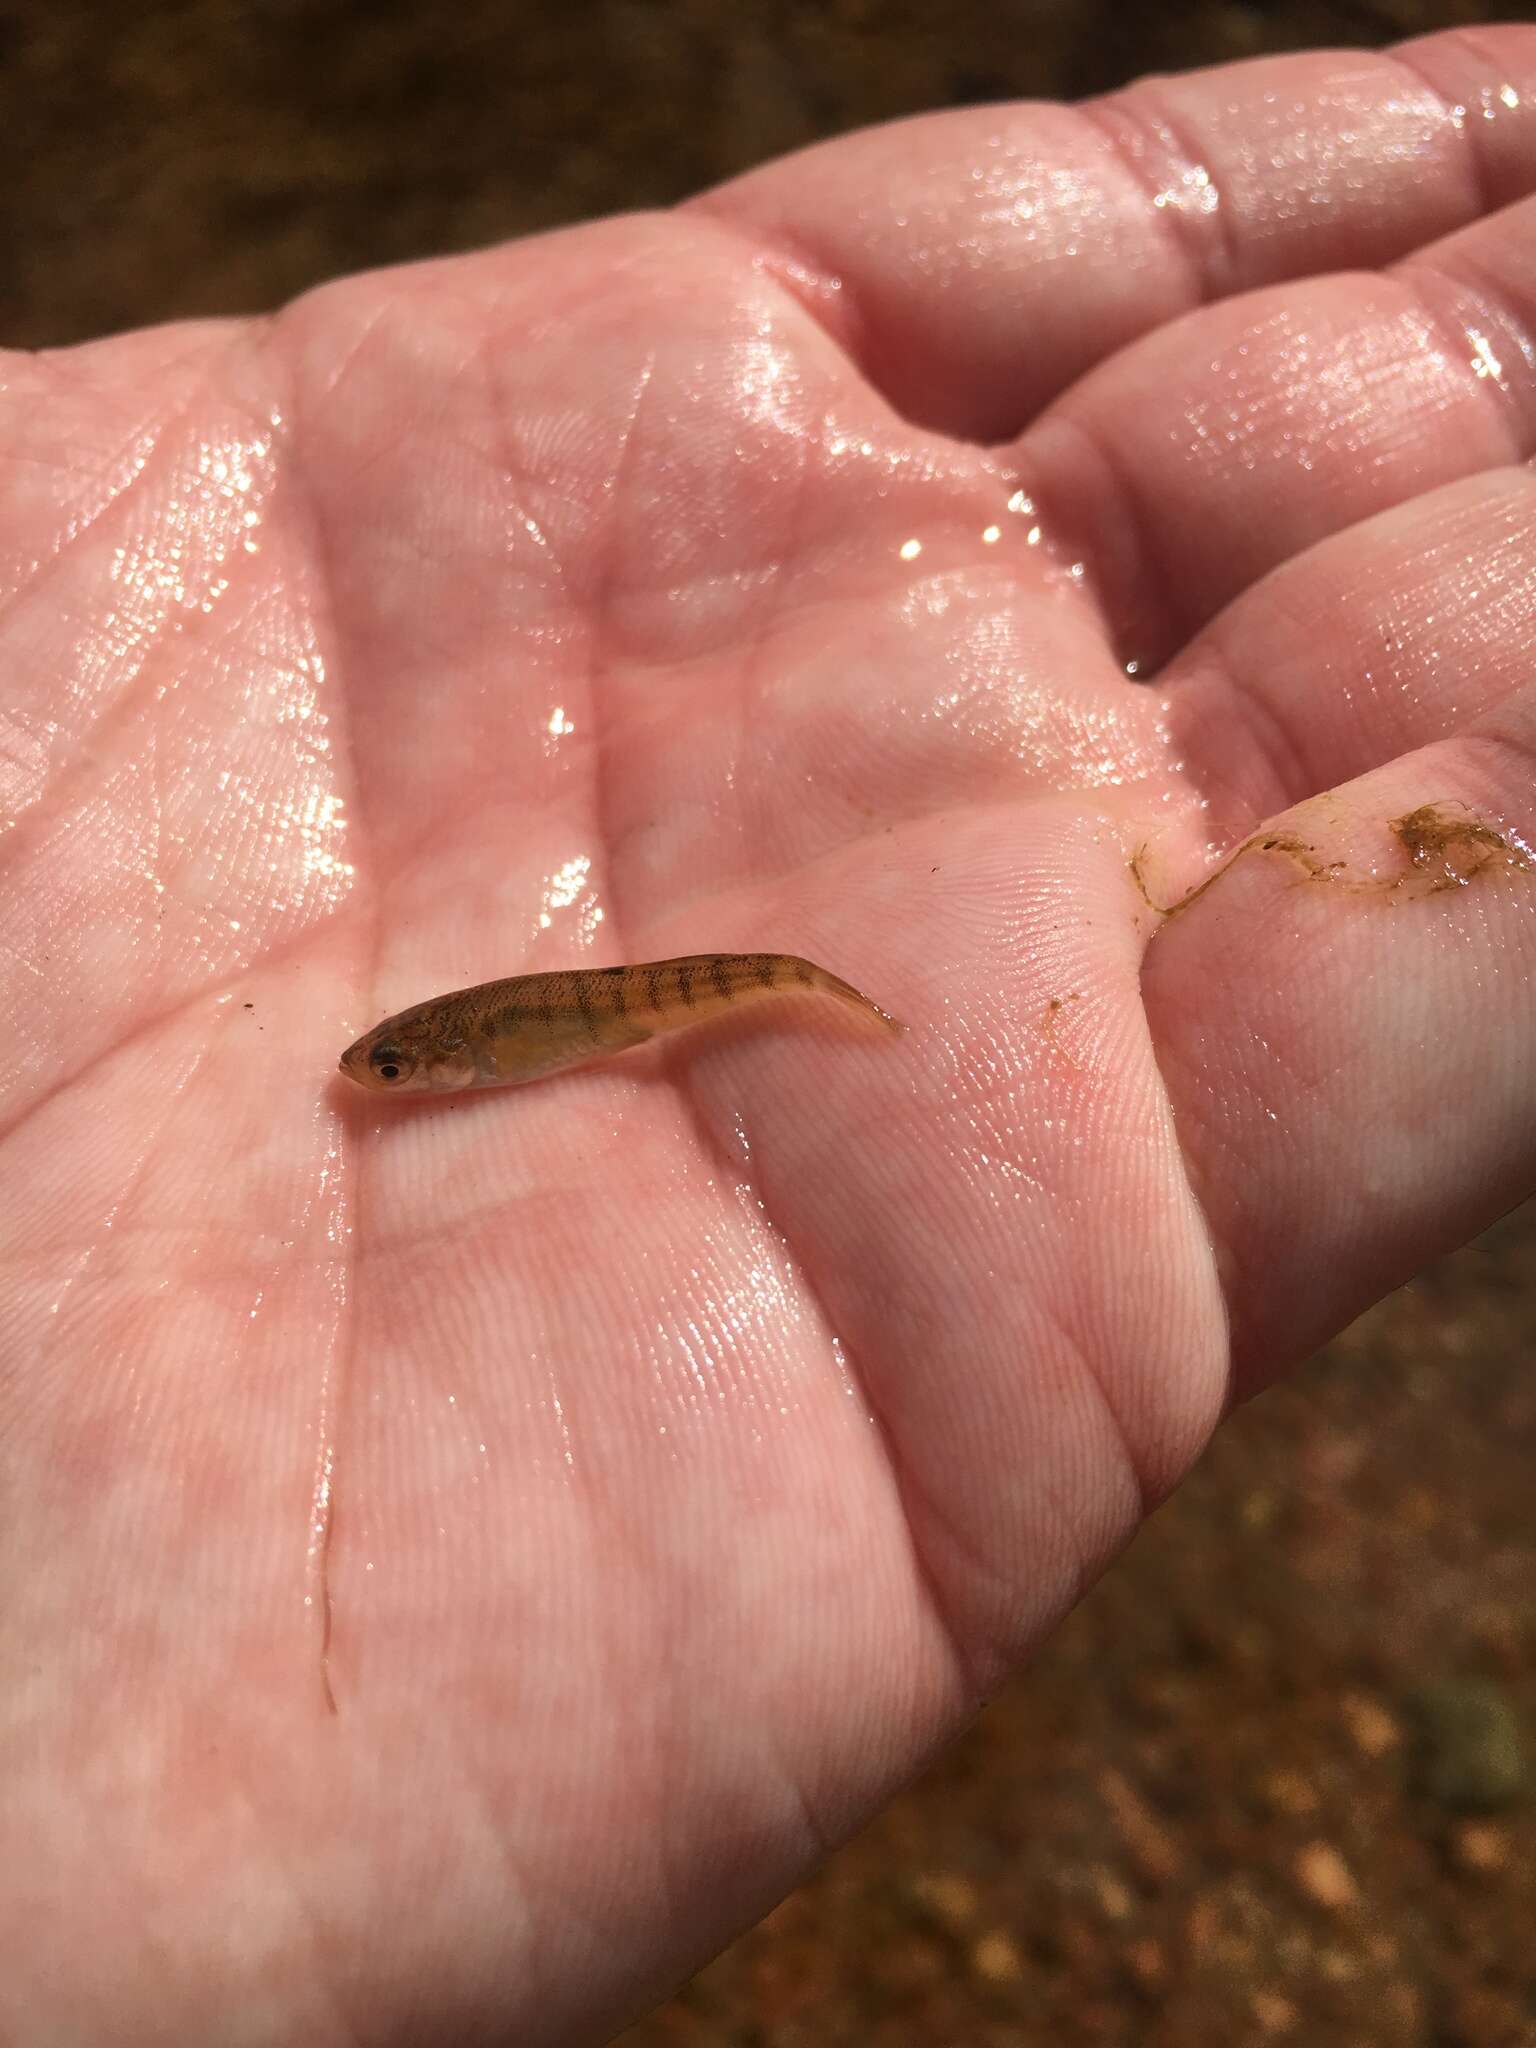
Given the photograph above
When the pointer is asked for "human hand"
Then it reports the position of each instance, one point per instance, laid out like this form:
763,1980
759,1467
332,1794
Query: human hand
464,1559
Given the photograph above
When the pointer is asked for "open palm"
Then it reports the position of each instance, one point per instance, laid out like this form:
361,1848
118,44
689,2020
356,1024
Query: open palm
464,1558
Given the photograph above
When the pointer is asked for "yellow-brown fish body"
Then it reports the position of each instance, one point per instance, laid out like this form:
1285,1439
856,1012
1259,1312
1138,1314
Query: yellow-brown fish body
502,1033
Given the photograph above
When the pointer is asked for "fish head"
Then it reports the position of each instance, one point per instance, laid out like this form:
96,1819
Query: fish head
397,1059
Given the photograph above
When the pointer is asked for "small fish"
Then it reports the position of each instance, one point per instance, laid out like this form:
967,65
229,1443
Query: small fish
501,1033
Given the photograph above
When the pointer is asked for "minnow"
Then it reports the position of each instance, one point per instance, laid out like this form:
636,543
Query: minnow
502,1033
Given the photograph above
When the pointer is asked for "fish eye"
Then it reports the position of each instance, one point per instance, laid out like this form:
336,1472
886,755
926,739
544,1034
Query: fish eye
390,1063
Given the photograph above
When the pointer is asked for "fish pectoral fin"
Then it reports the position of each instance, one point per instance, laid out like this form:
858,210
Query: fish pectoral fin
620,1034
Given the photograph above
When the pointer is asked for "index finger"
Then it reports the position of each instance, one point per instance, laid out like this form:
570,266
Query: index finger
976,263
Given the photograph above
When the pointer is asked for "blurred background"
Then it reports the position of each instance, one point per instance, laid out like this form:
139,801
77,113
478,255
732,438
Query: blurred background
1273,1781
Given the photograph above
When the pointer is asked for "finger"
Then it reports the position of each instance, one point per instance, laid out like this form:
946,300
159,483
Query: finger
984,260
1195,462
1342,1019
1396,633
